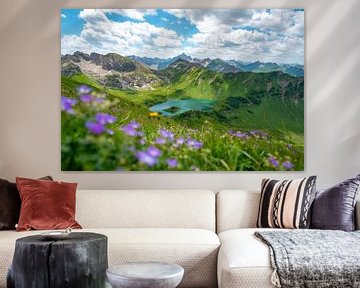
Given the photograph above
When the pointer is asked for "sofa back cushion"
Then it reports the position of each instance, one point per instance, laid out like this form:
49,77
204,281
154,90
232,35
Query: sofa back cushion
236,209
146,209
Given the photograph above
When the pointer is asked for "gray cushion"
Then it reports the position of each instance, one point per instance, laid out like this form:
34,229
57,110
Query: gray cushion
334,208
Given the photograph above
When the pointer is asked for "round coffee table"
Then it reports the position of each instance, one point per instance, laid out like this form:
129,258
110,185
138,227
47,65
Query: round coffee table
145,275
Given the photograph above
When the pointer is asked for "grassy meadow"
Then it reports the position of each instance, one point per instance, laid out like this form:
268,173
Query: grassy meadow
215,122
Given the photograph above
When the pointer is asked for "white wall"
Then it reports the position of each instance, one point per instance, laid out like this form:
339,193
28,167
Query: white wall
30,94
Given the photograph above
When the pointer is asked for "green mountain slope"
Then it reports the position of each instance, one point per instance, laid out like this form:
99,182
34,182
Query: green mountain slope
243,101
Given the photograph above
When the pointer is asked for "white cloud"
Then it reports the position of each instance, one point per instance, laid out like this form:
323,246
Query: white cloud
137,14
249,35
93,16
244,34
63,15
72,43
126,38
199,17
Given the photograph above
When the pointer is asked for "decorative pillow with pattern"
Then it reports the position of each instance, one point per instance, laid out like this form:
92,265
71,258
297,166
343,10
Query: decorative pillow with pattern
286,204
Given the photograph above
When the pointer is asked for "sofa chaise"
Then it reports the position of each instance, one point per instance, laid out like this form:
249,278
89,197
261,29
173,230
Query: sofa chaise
177,226
243,261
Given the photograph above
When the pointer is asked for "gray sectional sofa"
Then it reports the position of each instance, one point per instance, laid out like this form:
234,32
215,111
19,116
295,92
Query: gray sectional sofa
210,235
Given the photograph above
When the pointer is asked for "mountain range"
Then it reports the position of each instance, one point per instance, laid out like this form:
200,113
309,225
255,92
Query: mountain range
273,100
225,66
133,72
158,64
181,79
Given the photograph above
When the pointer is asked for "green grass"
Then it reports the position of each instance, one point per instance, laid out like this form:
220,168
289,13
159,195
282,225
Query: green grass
243,102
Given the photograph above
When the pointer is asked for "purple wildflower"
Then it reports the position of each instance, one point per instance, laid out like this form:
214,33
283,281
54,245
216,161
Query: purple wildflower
99,100
110,131
147,159
131,129
104,118
67,104
166,134
180,141
198,145
153,151
84,89
238,134
241,135
134,124
288,165
86,98
272,160
192,143
172,162
142,141
95,128
160,141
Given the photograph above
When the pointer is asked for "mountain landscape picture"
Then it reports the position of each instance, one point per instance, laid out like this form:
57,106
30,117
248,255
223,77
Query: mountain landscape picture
182,89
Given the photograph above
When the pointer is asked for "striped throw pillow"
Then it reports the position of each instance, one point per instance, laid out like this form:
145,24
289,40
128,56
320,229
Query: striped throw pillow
286,204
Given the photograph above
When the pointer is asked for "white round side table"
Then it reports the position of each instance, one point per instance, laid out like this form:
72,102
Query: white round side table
145,275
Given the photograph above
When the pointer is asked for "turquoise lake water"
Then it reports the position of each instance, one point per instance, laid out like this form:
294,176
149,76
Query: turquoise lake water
182,106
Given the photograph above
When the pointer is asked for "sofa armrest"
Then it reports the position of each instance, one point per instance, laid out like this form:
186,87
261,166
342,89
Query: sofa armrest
357,215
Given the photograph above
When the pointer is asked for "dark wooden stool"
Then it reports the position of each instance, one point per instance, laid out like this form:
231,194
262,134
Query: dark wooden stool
78,261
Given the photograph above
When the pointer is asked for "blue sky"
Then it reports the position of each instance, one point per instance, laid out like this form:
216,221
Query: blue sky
266,35
71,23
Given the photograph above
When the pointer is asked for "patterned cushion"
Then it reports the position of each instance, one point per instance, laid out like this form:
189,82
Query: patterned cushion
286,204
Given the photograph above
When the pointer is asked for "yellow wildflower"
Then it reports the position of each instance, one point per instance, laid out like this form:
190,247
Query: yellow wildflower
153,114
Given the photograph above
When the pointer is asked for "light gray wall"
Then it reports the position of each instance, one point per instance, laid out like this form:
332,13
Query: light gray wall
30,94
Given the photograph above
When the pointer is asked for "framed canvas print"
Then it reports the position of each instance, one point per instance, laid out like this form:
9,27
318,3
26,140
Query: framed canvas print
182,89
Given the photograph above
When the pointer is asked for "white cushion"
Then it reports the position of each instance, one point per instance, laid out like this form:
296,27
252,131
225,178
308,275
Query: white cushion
244,261
236,209
194,249
146,209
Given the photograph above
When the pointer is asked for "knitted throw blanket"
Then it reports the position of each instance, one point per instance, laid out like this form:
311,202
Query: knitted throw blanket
313,258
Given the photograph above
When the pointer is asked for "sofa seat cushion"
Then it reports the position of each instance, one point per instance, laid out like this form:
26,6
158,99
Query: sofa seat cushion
194,249
244,261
